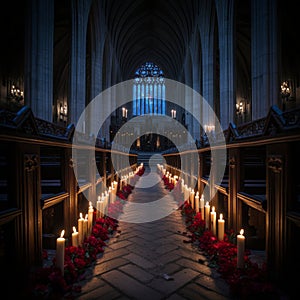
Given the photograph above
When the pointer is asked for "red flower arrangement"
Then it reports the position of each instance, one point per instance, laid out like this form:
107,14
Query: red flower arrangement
247,283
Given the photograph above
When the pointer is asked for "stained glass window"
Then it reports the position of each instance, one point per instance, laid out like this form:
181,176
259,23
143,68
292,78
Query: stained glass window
149,90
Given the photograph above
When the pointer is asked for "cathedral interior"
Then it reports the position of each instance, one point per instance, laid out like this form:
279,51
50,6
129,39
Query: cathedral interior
133,77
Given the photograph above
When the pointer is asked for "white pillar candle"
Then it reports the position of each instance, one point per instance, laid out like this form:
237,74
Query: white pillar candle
102,206
240,249
113,194
186,193
74,237
109,195
202,206
85,227
221,228
197,202
98,207
90,218
213,221
80,229
207,215
192,196
105,203
60,252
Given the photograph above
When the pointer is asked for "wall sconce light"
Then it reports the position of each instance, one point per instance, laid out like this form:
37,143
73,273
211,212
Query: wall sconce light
63,112
240,109
285,92
124,112
173,113
16,94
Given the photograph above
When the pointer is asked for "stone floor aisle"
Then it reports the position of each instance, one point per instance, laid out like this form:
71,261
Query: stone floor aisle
139,257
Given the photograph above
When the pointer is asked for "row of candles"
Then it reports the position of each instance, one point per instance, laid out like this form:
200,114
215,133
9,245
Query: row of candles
85,224
207,212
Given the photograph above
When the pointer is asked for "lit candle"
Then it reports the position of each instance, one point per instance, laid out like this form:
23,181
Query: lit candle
90,218
85,227
98,203
192,195
105,204
109,195
197,202
113,193
221,228
207,210
60,252
74,237
202,206
240,249
186,193
213,220
80,229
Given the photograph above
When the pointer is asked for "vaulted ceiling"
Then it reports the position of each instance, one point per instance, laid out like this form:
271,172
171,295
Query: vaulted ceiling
152,30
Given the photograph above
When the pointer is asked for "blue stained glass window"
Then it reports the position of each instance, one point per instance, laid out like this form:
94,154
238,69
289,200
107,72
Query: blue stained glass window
148,90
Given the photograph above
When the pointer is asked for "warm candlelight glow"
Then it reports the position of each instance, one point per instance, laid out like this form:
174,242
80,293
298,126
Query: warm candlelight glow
60,251
207,215
221,228
75,237
240,249
213,218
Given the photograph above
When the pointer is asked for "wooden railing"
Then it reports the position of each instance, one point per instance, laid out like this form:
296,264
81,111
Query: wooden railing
39,193
260,190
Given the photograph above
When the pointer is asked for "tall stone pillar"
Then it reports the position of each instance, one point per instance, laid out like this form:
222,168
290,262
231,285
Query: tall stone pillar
207,28
225,14
77,92
38,89
264,57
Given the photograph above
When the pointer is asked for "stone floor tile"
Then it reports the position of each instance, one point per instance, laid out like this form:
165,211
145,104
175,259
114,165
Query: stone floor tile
112,254
137,273
196,292
105,292
175,297
109,265
201,268
180,278
119,244
139,260
218,285
130,287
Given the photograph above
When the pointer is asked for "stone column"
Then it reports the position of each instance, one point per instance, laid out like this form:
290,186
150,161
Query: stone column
225,14
77,92
38,88
207,28
264,57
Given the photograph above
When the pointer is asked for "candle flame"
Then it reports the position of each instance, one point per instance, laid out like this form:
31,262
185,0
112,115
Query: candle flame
207,204
74,229
90,203
62,233
80,215
86,216
221,216
98,198
242,231
213,209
